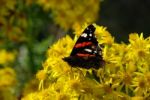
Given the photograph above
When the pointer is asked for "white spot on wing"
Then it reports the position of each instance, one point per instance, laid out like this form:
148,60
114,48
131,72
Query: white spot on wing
84,35
90,34
88,50
95,51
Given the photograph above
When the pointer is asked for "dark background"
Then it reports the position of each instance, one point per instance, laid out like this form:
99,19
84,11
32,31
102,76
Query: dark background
122,17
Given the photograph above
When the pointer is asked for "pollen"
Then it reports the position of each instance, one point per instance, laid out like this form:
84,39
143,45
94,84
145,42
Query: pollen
148,77
127,78
142,84
63,97
141,53
75,84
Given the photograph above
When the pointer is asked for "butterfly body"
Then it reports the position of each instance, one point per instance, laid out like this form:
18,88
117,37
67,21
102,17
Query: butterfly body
86,53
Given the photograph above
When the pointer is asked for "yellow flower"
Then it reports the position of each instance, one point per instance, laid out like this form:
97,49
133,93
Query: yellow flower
147,76
137,98
104,37
114,56
6,57
64,81
125,79
8,16
8,77
31,96
41,75
141,85
75,84
67,13
125,76
62,48
30,87
8,83
79,29
138,47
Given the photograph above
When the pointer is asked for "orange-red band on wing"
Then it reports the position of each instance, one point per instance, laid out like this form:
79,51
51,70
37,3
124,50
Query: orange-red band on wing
83,44
85,55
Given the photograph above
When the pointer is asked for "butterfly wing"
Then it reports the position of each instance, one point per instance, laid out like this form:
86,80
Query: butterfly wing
86,44
86,52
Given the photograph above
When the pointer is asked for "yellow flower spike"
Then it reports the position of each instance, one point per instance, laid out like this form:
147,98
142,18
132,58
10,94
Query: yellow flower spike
62,97
137,98
131,67
114,54
31,86
75,84
147,76
124,76
141,86
133,37
41,75
72,10
42,95
138,50
79,29
6,57
8,77
127,78
60,68
62,48
103,36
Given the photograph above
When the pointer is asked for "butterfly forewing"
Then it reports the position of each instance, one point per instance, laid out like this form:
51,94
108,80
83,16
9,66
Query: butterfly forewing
85,42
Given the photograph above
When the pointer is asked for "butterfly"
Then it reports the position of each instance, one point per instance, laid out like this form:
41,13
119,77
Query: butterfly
86,53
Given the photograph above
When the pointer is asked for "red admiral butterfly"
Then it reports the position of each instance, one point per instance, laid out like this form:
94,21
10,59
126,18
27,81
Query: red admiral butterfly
86,53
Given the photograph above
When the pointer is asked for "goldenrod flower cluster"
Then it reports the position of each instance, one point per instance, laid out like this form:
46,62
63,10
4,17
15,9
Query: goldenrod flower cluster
69,13
6,6
125,75
12,21
8,82
6,57
8,79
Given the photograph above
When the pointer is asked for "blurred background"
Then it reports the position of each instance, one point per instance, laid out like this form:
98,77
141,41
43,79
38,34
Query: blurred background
29,27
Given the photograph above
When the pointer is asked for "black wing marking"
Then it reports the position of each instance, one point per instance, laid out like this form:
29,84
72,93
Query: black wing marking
87,36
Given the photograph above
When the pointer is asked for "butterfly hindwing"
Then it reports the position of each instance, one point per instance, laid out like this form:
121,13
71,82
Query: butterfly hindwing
86,53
